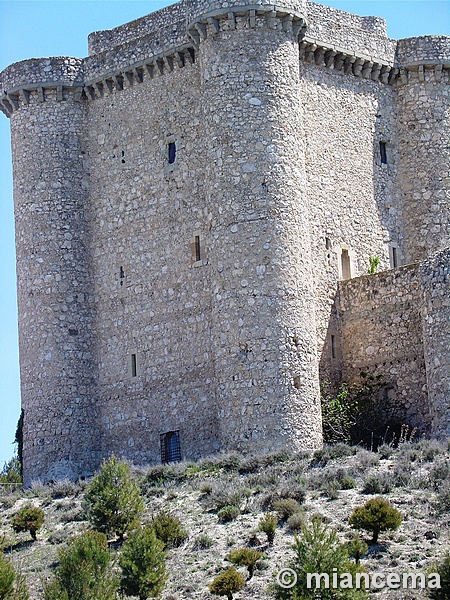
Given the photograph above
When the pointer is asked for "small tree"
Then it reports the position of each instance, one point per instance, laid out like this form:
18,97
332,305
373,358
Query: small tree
318,551
227,583
143,564
376,515
29,518
113,500
168,529
268,525
12,584
443,569
11,472
245,557
356,548
84,572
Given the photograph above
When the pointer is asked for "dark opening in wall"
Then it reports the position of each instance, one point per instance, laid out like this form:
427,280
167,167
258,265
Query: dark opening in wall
197,249
170,447
123,154
394,257
133,365
121,275
383,154
171,152
345,264
333,346
327,243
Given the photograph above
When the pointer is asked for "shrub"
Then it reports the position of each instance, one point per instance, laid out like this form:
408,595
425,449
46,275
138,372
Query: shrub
29,518
228,513
168,529
439,472
202,542
318,550
443,568
268,525
225,495
113,501
227,583
376,515
443,499
84,572
356,548
377,484
63,488
12,584
245,557
286,508
143,564
296,521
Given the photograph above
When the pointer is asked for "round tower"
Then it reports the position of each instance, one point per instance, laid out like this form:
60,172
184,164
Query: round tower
43,98
424,130
258,242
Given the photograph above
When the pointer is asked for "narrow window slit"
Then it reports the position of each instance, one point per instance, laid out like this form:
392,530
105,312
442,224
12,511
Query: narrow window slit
383,154
333,346
133,365
172,152
198,254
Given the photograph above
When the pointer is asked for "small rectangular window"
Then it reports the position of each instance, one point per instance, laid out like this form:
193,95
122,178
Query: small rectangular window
345,264
198,255
133,365
383,154
172,152
170,447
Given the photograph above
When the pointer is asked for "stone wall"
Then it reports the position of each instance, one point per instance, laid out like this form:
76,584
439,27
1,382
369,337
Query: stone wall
435,278
382,336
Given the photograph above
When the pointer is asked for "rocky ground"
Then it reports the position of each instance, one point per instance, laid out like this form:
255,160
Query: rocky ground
415,478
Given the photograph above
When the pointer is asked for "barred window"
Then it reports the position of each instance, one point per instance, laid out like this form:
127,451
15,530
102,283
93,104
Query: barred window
170,447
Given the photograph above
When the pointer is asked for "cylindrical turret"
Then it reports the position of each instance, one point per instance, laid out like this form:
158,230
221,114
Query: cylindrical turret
43,99
259,248
424,133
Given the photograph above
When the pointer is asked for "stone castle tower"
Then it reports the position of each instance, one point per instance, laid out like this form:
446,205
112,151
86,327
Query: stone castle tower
196,203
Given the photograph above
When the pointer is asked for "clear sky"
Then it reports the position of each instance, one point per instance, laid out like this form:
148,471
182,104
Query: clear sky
31,29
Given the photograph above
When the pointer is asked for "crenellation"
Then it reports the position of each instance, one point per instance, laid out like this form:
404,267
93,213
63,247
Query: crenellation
197,203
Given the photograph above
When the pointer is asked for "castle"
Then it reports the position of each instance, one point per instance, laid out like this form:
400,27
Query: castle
196,203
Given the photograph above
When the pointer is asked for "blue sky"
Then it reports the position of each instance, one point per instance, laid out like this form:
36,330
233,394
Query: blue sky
30,29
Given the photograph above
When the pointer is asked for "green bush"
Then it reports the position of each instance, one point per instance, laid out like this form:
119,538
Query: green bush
143,564
29,518
227,583
228,513
376,515
168,529
12,584
268,525
113,500
286,508
356,548
443,568
318,550
84,572
245,557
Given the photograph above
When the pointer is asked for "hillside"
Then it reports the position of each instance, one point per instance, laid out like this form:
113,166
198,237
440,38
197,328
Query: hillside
415,478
